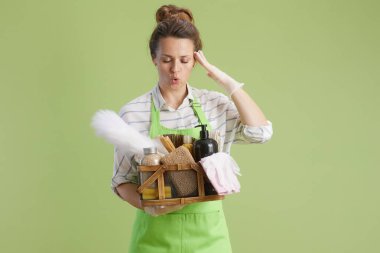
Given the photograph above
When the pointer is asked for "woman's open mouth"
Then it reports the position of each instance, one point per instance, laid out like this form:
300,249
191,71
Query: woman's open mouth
174,81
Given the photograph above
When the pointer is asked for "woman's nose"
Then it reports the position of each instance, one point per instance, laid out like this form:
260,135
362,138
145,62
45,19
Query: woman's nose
176,67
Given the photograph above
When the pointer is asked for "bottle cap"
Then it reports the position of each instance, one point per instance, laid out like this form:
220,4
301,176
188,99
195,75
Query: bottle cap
150,150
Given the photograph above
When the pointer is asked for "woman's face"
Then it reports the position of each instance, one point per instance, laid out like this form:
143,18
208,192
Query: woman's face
174,61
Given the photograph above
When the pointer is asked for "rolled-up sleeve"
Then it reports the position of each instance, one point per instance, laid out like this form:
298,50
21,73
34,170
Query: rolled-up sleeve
124,167
245,134
253,134
123,171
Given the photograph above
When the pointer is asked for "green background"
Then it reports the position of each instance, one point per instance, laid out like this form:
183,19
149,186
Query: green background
311,66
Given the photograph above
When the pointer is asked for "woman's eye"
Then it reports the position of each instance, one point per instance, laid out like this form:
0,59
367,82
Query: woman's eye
166,61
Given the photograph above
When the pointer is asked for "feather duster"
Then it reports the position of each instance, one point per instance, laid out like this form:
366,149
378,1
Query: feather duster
110,126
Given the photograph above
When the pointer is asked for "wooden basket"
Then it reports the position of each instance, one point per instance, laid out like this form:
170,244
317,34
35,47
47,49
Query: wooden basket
157,180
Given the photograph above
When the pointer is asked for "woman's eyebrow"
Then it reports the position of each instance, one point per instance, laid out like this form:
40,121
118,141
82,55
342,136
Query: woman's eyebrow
172,56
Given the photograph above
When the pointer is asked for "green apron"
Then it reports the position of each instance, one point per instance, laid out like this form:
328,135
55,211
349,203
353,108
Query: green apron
198,227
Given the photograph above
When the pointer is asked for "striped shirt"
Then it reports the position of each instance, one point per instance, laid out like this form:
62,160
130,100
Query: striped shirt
220,111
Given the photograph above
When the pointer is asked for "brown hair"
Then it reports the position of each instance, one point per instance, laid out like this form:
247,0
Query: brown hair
173,21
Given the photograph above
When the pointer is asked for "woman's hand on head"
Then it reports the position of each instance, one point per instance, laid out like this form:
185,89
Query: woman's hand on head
201,58
224,80
212,71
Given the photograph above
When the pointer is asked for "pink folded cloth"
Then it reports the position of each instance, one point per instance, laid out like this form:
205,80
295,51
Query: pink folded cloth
221,169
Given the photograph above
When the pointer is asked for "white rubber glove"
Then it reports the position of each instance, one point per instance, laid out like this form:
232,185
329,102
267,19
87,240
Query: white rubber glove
229,84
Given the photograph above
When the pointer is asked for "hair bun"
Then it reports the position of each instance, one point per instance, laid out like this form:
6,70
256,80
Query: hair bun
171,11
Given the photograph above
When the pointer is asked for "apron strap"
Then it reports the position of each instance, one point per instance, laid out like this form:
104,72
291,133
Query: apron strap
154,120
155,117
200,114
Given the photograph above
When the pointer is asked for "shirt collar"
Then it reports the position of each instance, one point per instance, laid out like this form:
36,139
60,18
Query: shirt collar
160,102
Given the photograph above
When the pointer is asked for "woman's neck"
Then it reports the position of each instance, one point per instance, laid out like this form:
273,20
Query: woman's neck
173,98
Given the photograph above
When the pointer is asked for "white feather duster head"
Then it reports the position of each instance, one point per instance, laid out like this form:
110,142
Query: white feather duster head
115,130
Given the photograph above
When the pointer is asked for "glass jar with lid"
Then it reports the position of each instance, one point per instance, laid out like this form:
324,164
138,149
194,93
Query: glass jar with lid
151,158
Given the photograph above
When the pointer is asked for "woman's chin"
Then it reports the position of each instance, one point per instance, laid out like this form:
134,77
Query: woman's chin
176,86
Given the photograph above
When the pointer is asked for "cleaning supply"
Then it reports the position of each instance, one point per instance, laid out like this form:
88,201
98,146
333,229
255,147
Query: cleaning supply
184,182
221,169
217,136
205,146
128,140
168,144
188,143
152,193
151,157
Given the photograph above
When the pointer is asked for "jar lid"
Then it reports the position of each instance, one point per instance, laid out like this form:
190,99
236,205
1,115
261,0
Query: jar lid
150,150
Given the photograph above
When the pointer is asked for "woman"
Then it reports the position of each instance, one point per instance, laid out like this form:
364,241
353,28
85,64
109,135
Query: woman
173,106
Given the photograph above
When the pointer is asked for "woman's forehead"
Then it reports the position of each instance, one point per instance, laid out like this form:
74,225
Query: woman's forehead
176,47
